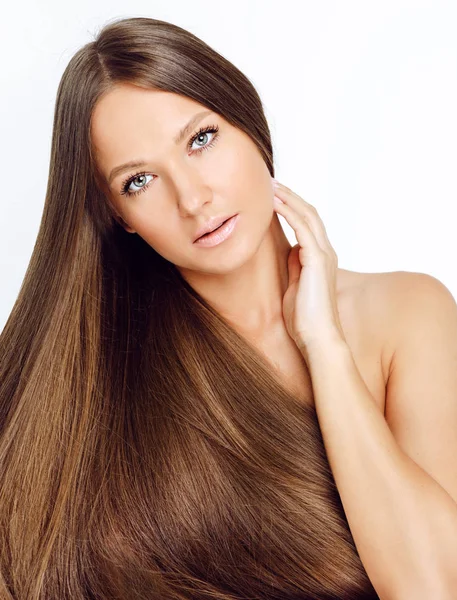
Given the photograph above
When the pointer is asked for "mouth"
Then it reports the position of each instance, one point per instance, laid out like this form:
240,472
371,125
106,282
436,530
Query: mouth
218,235
208,233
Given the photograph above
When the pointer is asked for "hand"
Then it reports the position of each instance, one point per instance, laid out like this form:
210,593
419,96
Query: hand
310,308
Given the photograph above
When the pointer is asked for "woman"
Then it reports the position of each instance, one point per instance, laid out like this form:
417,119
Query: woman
160,437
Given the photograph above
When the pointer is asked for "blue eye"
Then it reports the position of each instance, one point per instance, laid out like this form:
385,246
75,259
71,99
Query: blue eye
126,185
203,131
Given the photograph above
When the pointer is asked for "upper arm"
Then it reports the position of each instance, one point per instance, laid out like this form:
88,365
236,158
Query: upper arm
421,391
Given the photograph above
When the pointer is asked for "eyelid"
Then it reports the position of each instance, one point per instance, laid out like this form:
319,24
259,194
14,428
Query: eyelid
203,129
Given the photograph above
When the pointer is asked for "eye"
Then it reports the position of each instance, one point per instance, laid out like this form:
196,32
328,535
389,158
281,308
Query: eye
143,186
201,133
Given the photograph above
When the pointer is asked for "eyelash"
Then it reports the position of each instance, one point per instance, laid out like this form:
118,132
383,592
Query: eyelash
201,131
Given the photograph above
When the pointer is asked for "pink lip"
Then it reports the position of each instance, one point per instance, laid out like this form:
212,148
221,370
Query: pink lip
220,235
212,224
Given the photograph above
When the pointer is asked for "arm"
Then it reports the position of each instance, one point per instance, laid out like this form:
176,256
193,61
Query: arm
404,523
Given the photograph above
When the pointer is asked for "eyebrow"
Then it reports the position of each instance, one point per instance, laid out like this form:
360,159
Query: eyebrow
139,162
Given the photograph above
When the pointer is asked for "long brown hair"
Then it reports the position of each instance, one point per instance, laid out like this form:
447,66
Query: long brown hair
147,450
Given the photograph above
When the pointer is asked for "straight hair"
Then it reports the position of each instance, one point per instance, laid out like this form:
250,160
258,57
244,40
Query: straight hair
147,450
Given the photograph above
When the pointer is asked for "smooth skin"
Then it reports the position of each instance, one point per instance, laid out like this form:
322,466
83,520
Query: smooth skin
245,277
310,307
411,316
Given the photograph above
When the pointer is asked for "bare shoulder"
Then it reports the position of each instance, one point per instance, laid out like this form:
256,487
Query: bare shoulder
367,302
372,308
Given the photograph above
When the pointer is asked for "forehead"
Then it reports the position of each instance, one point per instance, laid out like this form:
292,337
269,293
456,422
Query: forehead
143,121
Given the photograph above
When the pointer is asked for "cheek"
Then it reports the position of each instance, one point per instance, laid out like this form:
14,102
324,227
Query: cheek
159,231
247,170
232,167
157,234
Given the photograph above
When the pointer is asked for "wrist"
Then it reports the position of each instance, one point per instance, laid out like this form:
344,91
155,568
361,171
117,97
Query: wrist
324,345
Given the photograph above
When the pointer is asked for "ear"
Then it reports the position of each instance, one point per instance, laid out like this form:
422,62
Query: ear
123,224
120,220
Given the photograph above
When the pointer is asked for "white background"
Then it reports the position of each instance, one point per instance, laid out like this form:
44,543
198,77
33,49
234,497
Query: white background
361,98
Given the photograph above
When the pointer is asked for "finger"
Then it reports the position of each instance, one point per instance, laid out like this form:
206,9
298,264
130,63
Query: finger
314,225
303,232
301,206
293,264
287,195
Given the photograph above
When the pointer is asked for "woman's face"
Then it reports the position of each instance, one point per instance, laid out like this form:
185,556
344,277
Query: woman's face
182,182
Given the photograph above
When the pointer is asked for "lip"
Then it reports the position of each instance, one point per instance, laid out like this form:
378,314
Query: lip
210,225
217,237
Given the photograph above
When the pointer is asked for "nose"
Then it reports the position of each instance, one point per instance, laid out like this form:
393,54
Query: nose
192,193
